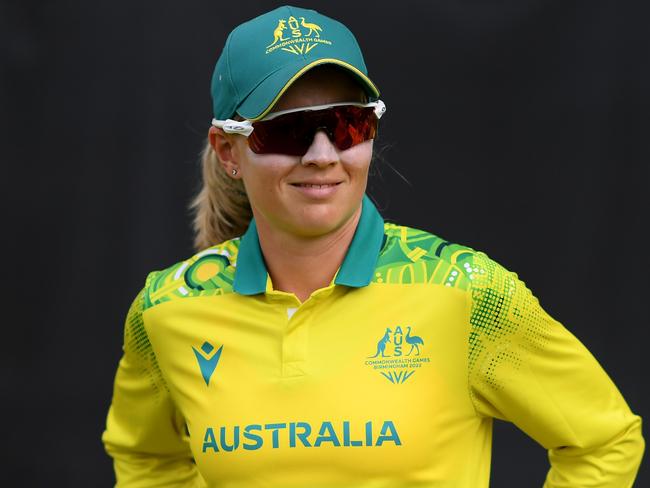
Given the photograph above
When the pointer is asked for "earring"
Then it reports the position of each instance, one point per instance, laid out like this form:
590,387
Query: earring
234,172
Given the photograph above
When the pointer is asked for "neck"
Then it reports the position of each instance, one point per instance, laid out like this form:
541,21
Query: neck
287,256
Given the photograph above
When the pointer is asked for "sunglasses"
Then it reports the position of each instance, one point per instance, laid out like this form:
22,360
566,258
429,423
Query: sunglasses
292,131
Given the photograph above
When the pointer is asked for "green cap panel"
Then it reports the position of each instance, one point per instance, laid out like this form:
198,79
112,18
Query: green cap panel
263,56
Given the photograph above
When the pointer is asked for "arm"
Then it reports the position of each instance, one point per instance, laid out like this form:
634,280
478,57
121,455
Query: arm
525,367
144,431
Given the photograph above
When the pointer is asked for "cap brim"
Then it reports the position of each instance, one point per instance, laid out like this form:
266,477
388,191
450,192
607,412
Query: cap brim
262,99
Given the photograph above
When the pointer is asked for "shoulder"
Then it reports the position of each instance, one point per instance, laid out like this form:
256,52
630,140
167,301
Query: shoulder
208,272
501,303
412,255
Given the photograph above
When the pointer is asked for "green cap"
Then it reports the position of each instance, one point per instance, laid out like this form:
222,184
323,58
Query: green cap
264,56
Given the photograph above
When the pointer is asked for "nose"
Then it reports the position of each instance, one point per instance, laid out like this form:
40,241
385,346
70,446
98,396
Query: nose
321,152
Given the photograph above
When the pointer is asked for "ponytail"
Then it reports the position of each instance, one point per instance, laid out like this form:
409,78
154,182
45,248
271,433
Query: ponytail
221,208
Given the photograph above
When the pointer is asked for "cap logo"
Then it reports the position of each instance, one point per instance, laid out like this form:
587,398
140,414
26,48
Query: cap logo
304,37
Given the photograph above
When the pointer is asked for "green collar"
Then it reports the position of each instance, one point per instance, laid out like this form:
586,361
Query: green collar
356,270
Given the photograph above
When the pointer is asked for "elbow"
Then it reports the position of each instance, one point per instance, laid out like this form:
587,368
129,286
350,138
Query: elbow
625,452
634,443
612,463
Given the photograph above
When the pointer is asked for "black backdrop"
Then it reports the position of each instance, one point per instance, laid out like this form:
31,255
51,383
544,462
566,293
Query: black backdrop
519,128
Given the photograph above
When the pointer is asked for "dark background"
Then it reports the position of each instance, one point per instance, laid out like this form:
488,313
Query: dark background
520,128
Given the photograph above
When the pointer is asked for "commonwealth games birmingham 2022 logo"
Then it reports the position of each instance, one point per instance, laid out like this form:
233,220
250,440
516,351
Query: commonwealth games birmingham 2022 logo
303,36
398,355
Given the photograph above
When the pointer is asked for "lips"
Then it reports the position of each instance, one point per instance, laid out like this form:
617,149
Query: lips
317,190
316,185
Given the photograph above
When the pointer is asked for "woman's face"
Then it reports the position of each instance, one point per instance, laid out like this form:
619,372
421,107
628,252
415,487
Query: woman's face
279,186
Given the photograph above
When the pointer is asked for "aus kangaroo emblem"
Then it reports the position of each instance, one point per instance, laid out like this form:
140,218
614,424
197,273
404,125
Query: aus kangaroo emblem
398,354
277,33
381,345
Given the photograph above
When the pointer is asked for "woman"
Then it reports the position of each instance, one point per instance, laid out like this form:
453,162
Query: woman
315,344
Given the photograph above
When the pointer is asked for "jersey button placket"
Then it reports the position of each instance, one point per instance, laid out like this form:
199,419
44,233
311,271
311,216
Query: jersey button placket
294,342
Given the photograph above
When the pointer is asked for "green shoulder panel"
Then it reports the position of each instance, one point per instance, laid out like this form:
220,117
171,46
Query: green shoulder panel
209,272
503,312
415,256
138,347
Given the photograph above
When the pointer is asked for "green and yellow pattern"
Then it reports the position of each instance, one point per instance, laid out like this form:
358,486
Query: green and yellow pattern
209,272
415,256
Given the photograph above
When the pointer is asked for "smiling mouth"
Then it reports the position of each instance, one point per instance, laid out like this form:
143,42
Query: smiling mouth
311,185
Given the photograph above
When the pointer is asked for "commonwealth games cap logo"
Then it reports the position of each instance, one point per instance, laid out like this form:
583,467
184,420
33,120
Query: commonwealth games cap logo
304,36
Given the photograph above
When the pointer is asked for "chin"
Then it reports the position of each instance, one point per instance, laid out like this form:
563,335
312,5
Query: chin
317,220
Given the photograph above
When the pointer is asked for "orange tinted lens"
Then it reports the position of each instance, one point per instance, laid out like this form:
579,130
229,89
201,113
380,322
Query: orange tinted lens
293,133
354,125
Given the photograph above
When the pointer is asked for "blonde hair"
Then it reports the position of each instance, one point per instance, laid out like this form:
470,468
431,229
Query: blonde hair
221,208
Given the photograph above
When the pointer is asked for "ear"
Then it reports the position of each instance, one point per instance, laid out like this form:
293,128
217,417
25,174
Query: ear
227,150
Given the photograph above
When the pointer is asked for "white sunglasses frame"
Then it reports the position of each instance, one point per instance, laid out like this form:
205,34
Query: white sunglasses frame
245,127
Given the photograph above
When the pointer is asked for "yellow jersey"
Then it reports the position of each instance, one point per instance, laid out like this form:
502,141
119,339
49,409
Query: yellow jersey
388,377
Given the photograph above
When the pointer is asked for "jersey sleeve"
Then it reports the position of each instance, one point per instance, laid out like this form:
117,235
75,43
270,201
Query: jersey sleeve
527,368
145,432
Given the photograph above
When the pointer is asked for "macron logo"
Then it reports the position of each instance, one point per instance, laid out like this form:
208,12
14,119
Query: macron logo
207,360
